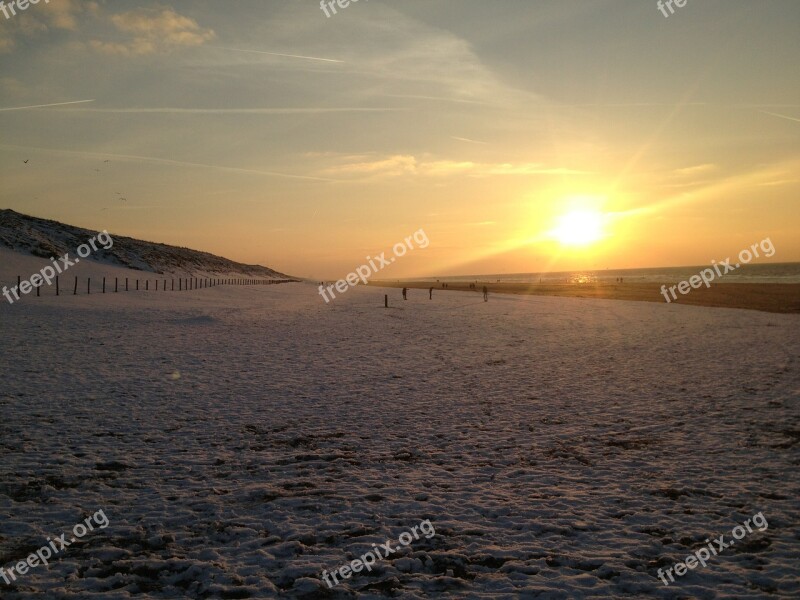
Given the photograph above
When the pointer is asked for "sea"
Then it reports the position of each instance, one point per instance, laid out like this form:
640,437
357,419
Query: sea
755,273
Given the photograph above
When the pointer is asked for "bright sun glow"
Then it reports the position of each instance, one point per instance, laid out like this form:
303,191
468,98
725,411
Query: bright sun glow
579,228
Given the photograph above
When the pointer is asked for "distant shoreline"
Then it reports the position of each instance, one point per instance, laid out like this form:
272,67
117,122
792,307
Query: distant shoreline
767,297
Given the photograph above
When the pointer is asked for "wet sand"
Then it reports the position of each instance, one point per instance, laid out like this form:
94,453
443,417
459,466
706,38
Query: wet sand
768,297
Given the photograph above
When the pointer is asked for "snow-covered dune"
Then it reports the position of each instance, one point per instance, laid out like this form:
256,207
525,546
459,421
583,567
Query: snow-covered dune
45,239
242,440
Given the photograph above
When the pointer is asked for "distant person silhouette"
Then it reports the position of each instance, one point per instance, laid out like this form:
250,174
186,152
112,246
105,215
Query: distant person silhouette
430,291
485,294
405,290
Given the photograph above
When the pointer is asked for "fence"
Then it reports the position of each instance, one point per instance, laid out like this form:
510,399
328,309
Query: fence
184,284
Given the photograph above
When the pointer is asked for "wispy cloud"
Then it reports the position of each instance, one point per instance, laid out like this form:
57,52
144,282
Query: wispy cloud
435,98
165,161
330,60
694,170
152,30
780,116
469,141
409,165
45,105
42,19
779,182
232,111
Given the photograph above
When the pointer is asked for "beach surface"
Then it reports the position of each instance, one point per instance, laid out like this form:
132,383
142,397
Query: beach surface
242,440
768,297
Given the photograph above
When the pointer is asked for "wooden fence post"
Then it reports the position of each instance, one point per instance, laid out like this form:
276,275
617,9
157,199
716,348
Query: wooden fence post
88,285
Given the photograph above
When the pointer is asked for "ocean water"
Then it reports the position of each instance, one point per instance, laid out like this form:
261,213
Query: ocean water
755,273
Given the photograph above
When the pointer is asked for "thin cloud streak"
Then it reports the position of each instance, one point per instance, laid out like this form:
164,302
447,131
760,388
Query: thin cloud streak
435,98
780,116
278,54
469,141
233,111
167,161
45,105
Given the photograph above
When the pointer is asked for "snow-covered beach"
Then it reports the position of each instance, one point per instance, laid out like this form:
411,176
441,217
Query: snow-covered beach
242,440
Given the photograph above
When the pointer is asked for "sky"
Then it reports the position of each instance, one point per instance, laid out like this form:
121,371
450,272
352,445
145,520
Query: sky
519,135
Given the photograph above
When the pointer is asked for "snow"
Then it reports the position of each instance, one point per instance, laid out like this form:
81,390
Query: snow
241,440
40,237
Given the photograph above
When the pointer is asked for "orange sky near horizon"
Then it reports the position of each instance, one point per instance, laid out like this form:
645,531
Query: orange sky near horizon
547,136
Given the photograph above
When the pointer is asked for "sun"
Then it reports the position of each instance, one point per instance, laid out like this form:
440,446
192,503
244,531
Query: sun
579,228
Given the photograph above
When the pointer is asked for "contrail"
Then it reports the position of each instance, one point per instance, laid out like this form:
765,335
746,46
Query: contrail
278,54
238,111
45,105
779,115
463,139
167,161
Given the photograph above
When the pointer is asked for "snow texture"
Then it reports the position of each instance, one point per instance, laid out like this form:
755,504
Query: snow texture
243,439
47,239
